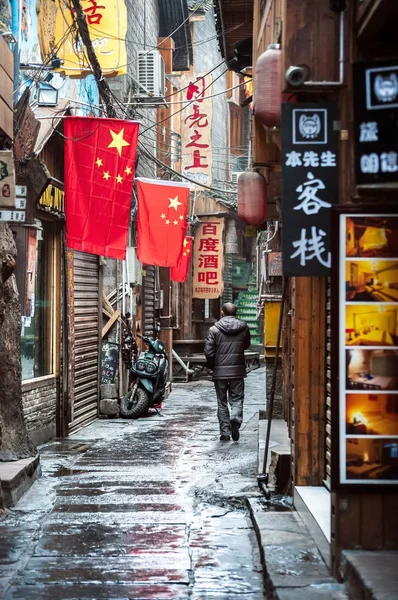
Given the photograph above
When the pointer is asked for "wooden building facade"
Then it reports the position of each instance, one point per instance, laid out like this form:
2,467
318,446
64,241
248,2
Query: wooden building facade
326,38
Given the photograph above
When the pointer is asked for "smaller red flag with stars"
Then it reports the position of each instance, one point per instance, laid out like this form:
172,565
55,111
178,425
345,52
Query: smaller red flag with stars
161,221
180,272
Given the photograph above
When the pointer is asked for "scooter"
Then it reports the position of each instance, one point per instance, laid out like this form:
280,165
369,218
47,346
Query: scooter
148,380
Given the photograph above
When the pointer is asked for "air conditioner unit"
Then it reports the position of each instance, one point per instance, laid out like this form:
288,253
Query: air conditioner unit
150,75
235,176
134,266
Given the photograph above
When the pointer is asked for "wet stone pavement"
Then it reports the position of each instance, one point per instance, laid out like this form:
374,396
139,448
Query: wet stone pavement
154,508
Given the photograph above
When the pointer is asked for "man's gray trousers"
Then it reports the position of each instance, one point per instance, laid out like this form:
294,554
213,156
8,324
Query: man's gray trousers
229,391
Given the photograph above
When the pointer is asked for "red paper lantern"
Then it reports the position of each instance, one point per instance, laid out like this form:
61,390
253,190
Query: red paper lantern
267,97
252,198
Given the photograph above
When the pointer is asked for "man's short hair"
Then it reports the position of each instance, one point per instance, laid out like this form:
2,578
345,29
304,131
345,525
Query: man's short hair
229,309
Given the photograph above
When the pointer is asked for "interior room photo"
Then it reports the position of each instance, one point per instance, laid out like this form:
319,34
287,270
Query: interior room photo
372,369
372,236
372,414
371,325
374,458
371,281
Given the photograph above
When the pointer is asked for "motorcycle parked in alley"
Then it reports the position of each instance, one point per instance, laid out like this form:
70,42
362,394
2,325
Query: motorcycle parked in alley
148,380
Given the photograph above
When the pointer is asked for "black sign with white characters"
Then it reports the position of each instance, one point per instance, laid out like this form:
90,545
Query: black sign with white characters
376,122
310,142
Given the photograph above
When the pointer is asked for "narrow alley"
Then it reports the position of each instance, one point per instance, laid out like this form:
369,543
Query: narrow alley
145,509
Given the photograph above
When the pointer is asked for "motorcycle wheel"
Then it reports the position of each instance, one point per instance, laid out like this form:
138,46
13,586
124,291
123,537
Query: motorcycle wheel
133,408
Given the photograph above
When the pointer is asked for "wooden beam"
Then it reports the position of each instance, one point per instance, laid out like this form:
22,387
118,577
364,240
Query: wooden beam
111,321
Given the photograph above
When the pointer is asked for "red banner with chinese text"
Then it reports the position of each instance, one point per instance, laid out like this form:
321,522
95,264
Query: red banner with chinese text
196,124
180,272
161,221
208,259
99,173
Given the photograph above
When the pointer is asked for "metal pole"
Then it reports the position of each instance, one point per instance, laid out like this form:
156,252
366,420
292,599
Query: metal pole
274,373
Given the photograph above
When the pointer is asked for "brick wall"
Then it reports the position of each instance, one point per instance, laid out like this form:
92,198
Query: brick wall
39,400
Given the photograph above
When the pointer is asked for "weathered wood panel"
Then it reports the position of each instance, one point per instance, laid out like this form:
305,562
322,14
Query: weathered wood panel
308,379
6,88
308,27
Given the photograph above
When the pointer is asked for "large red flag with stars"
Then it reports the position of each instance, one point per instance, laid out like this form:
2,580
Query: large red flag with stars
161,221
99,173
180,272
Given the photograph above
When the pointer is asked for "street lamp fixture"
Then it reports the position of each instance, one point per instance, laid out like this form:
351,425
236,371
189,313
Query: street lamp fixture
47,94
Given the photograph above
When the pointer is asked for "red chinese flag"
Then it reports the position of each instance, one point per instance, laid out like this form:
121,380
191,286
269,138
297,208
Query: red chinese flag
99,173
180,272
161,221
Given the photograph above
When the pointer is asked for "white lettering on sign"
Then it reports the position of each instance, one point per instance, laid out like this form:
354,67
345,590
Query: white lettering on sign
369,132
308,248
311,204
370,163
21,190
310,159
20,202
387,162
12,215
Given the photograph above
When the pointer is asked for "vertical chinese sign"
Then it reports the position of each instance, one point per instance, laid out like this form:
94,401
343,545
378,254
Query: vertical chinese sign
107,25
196,123
376,122
310,141
208,259
365,346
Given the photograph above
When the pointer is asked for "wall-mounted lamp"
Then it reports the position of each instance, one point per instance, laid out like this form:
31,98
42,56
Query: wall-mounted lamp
47,94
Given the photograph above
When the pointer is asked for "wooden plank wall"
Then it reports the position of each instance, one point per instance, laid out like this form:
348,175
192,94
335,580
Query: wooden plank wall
366,519
6,89
308,345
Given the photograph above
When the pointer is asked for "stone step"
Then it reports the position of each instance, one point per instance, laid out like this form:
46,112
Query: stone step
293,567
370,575
16,477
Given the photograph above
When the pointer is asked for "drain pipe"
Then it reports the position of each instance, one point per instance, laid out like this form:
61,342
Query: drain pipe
263,478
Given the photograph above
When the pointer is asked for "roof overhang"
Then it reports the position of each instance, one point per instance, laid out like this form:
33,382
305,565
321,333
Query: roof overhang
49,119
172,12
234,21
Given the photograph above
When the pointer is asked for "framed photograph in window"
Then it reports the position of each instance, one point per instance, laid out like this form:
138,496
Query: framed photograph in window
364,347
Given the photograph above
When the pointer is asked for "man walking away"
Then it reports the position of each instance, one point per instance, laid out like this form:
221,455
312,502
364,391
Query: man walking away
225,352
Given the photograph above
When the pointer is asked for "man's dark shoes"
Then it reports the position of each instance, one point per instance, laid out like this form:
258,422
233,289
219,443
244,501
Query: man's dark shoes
234,429
225,438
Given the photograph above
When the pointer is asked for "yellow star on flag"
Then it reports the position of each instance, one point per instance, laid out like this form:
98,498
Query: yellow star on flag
181,217
185,242
106,175
128,170
174,203
118,141
119,179
167,222
175,222
162,216
98,162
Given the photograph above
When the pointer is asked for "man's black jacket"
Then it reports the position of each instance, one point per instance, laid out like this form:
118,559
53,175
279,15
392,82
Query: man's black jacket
225,346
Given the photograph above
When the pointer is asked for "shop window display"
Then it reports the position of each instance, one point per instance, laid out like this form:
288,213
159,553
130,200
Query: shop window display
37,302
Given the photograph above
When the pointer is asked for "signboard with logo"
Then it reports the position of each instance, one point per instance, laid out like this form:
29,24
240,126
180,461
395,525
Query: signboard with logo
107,25
208,259
310,141
365,347
376,122
196,123
7,181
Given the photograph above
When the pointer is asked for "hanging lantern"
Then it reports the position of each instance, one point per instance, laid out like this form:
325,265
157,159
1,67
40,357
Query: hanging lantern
267,97
252,198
